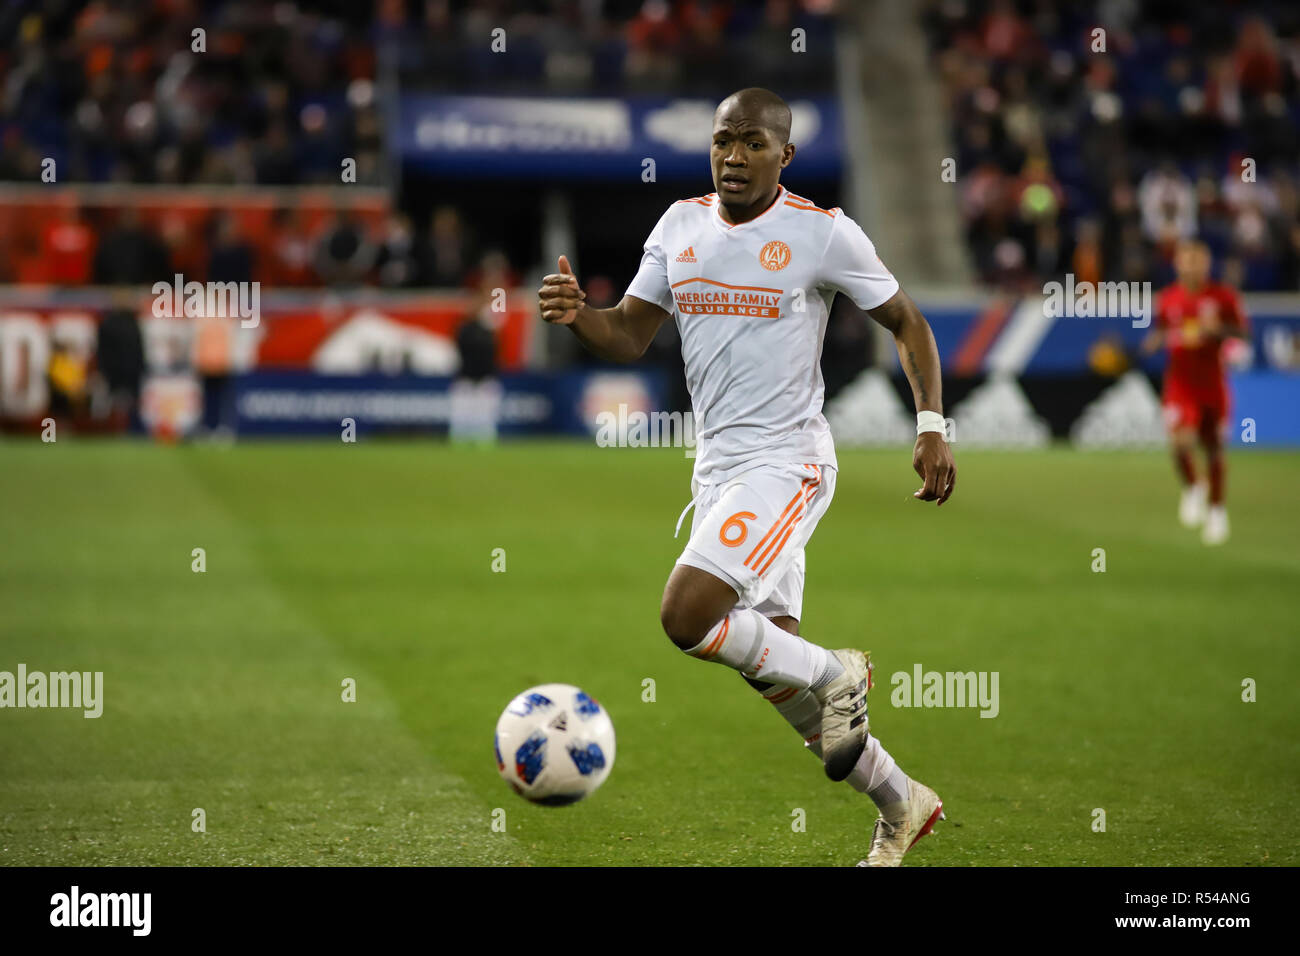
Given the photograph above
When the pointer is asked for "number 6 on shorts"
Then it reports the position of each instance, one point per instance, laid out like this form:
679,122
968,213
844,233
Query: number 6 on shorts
737,520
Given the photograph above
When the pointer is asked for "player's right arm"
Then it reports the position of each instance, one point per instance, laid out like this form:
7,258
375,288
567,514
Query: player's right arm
1154,340
620,334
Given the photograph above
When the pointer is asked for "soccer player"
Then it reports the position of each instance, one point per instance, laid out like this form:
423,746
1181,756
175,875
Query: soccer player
749,272
1194,317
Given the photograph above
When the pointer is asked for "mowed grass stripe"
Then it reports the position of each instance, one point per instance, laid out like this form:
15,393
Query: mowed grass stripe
218,694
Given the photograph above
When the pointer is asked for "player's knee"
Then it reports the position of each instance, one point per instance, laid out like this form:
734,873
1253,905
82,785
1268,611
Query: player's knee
682,622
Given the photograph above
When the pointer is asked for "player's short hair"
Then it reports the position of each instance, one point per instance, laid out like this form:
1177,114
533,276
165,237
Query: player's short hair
772,111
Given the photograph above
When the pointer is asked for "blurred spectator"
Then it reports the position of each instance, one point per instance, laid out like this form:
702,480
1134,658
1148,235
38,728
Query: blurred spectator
1087,261
130,254
1257,64
214,347
187,251
446,253
492,273
274,158
119,357
396,265
344,253
68,377
231,259
290,249
652,37
67,247
1168,205
475,395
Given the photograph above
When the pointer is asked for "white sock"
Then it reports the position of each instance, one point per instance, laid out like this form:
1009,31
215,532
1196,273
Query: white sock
748,642
801,710
878,776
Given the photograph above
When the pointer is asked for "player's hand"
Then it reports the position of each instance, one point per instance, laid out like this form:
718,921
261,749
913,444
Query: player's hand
932,459
559,298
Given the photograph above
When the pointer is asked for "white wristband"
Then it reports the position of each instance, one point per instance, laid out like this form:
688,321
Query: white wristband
930,422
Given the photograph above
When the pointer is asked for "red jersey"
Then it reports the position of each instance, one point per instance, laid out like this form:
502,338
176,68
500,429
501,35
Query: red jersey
1195,357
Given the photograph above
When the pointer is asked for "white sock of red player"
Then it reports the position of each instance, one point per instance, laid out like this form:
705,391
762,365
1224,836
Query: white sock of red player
748,642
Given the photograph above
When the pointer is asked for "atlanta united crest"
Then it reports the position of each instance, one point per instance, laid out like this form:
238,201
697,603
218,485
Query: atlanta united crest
774,256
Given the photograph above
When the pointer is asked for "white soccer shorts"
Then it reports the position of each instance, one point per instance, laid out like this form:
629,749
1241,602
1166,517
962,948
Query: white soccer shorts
751,532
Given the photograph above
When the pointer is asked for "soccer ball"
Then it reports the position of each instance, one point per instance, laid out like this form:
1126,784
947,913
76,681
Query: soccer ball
554,744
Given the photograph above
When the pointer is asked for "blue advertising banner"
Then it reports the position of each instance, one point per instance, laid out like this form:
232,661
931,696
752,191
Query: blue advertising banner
270,403
585,138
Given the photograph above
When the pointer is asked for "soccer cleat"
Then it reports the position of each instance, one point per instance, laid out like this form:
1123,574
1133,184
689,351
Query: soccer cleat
1216,525
1191,506
901,824
844,714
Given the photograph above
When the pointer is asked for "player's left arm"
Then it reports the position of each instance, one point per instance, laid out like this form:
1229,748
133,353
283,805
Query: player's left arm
919,355
1234,324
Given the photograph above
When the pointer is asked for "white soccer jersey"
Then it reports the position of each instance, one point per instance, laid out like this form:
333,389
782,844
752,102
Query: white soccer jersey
751,302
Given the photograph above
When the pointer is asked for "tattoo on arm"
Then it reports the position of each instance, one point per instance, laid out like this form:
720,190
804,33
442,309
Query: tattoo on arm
918,376
912,334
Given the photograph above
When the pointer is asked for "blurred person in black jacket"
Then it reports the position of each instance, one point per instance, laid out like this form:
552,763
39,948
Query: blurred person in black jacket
476,393
231,257
119,356
130,254
344,253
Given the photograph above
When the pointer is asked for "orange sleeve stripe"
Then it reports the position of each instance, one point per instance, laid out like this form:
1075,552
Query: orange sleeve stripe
795,205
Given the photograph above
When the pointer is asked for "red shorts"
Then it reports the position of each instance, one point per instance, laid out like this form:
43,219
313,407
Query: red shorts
1196,409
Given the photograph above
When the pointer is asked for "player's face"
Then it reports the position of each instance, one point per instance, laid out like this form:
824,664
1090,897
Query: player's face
1192,263
747,160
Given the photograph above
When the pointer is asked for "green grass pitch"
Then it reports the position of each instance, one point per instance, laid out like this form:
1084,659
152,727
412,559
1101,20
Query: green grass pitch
1119,690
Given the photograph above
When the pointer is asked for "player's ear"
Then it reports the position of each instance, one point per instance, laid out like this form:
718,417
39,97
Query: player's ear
787,154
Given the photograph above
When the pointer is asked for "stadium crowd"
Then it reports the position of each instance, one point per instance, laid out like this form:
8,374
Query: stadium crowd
172,93
279,94
1077,152
1091,136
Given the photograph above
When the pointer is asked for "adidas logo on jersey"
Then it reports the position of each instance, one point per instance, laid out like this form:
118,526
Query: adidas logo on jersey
687,255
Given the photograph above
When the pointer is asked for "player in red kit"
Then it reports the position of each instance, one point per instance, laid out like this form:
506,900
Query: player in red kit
1195,317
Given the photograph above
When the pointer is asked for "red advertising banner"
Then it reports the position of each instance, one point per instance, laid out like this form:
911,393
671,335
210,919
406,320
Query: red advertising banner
49,339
